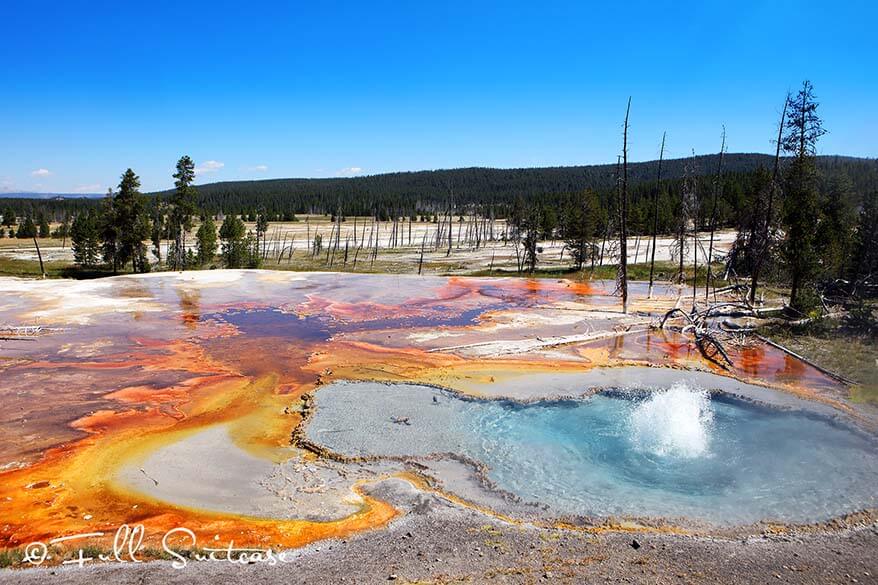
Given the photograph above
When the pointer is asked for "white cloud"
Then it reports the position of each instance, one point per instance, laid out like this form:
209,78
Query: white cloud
258,169
93,188
209,166
41,173
350,171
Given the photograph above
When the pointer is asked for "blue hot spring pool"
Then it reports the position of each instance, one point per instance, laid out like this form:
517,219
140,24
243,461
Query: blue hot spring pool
672,453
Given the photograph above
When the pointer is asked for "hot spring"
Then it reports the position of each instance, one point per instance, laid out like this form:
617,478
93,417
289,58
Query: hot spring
678,452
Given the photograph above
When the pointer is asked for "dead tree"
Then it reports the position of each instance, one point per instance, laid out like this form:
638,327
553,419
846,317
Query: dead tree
655,198
450,204
716,189
687,209
40,257
623,216
698,322
423,245
765,244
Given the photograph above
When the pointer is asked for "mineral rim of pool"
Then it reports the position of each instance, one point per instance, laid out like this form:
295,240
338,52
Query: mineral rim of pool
679,452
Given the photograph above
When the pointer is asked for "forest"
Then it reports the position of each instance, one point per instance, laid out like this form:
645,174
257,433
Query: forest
430,191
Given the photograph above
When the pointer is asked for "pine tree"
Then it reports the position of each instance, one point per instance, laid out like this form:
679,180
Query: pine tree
86,241
206,241
864,260
109,232
834,237
27,229
8,217
44,226
183,208
234,247
581,226
801,212
131,222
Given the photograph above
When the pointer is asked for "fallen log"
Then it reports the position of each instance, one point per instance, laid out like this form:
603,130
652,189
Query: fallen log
519,346
829,373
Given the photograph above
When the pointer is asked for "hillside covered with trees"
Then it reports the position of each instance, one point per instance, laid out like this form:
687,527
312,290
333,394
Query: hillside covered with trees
430,191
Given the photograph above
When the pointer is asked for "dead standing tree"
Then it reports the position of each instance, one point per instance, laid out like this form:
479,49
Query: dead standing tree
765,240
623,217
717,187
685,212
655,198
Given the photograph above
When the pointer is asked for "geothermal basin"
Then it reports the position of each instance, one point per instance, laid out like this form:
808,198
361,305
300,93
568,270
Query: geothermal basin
677,452
281,409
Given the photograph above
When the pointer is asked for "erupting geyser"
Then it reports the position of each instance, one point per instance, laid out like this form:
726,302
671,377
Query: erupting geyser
675,422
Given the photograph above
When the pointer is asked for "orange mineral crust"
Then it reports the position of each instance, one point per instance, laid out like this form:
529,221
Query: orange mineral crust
71,489
130,366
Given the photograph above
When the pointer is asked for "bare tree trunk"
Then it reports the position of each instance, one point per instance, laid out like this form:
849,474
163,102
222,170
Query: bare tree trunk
695,260
716,188
623,236
448,253
421,259
330,242
766,224
40,257
655,215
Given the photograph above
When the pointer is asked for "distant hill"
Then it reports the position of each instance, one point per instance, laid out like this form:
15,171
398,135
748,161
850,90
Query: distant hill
410,192
426,189
32,195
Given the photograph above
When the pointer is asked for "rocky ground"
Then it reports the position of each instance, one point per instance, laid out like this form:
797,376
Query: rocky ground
436,541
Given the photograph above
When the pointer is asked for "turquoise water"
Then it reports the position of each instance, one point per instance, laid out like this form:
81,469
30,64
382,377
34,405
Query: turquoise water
675,453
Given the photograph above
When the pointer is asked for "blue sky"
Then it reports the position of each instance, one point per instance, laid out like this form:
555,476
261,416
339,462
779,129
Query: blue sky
315,89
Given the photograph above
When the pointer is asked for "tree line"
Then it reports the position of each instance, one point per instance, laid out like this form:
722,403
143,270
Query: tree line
428,192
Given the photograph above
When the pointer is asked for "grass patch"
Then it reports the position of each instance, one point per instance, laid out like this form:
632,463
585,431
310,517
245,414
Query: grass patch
9,558
664,272
54,269
829,344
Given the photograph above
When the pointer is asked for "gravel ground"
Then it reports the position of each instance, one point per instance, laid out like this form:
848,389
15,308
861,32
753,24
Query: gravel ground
436,541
